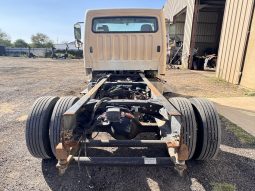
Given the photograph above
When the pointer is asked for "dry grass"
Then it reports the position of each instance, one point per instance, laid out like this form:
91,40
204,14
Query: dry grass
223,187
242,135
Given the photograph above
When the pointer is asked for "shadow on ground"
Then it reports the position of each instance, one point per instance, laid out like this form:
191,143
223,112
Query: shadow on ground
227,168
173,94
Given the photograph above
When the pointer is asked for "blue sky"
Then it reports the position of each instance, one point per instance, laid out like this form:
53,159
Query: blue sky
22,18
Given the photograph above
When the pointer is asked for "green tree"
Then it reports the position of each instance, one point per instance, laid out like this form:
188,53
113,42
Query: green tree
4,39
19,43
41,40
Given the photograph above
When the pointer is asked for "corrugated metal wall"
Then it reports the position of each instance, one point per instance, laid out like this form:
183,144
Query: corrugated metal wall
248,75
179,23
206,34
172,8
233,41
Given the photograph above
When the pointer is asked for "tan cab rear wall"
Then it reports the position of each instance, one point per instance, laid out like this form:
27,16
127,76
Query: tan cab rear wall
125,51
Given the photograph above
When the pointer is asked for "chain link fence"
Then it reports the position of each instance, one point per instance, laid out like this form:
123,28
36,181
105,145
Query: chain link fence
17,52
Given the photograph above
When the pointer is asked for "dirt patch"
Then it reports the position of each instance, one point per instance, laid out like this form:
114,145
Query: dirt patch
223,187
6,108
189,83
22,118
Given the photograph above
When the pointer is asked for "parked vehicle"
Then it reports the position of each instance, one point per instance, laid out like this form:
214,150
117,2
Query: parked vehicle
124,55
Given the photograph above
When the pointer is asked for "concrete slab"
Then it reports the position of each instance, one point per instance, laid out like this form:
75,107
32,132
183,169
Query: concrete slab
239,110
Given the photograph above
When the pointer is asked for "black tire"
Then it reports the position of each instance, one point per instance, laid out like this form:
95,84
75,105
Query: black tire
209,129
189,130
37,127
60,108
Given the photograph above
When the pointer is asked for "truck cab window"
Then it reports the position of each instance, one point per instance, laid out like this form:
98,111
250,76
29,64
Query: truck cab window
125,25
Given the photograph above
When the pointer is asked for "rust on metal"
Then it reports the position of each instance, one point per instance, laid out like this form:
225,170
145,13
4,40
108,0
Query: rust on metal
61,152
179,153
66,139
65,156
173,144
128,115
68,122
71,144
183,152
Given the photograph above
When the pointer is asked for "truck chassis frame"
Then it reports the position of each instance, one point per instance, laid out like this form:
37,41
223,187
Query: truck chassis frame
123,105
168,124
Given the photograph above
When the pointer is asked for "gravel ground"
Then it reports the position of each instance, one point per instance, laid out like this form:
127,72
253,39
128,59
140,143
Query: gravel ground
24,80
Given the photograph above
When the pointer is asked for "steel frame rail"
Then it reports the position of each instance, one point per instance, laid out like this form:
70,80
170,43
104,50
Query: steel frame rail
66,151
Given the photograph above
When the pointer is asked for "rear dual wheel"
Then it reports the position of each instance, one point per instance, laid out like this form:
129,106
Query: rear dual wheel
43,125
209,129
189,125
201,128
60,108
37,127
